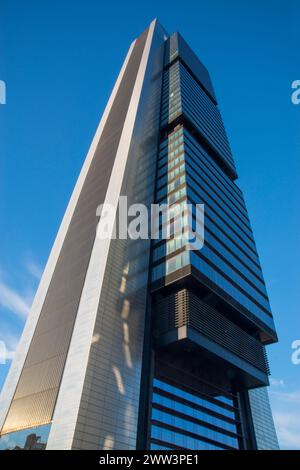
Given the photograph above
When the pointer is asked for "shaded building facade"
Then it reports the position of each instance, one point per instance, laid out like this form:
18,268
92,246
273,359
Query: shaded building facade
146,343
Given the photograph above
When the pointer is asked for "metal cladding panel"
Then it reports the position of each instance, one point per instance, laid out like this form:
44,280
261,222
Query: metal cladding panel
35,396
184,308
108,413
32,410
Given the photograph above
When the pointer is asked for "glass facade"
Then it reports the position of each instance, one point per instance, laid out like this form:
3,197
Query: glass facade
182,418
263,423
216,289
189,171
27,439
183,94
187,174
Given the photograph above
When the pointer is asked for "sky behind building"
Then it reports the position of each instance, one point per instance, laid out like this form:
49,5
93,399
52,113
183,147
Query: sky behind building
59,65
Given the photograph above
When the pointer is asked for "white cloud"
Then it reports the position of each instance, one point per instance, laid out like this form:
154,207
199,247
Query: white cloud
13,301
287,397
5,354
288,429
19,304
276,382
8,345
34,269
286,413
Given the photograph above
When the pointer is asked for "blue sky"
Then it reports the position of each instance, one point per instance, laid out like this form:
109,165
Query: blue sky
59,60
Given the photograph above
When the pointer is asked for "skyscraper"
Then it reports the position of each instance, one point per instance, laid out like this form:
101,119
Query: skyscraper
140,343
